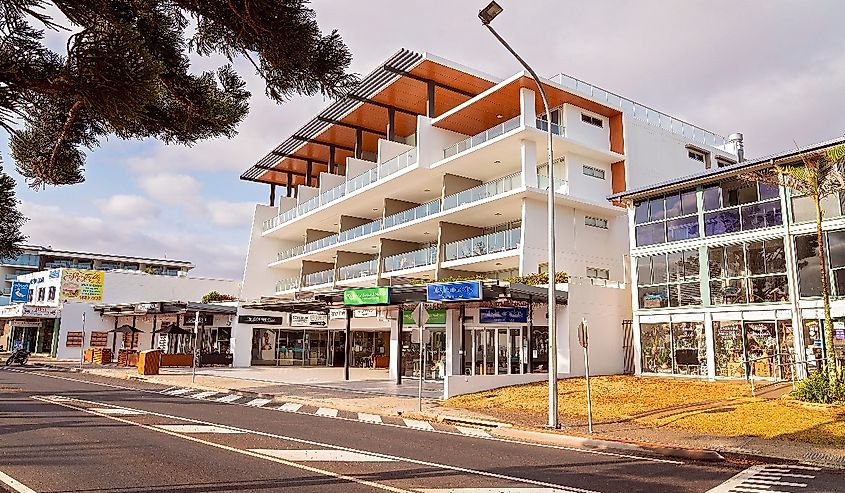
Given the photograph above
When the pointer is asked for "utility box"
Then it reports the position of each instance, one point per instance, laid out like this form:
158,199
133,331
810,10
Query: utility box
149,362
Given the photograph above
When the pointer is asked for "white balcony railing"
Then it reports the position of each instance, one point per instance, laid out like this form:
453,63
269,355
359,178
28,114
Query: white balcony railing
556,129
410,260
409,215
361,269
288,284
359,231
499,241
398,163
482,137
317,278
483,191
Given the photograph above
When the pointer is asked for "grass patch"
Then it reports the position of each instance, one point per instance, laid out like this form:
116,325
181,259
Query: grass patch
614,397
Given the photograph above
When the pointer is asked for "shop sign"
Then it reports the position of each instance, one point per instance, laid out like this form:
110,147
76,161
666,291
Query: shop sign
300,320
454,291
260,320
82,285
337,313
317,319
366,296
26,323
503,315
39,311
20,292
435,317
189,319
143,308
365,313
839,331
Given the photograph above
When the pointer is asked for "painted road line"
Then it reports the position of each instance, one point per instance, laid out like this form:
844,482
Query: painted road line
198,429
202,395
490,490
473,432
14,484
321,455
180,391
418,425
370,418
228,398
327,412
118,411
314,443
761,478
257,402
290,407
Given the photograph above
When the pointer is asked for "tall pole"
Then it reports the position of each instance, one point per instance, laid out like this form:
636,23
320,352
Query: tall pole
196,336
82,350
552,302
422,366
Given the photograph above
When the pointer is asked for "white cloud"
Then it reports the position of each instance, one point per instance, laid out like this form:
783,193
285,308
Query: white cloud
171,188
132,207
230,214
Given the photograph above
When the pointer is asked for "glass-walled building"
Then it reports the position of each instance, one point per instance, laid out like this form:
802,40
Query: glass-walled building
725,274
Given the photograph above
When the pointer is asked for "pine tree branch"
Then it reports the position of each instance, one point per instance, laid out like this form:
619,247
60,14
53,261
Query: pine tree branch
71,118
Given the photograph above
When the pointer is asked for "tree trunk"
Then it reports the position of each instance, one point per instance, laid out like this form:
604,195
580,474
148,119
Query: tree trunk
830,362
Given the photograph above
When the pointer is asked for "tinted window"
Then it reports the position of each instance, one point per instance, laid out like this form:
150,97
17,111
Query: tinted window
721,222
809,274
768,191
673,205
689,202
641,212
656,210
734,261
836,248
649,234
711,198
682,229
658,270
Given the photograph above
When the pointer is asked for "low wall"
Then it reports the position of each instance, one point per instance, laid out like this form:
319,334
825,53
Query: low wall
461,384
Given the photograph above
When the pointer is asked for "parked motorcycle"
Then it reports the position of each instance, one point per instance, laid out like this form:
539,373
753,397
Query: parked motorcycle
19,356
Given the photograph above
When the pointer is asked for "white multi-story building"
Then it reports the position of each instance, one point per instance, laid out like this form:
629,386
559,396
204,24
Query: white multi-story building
430,171
726,274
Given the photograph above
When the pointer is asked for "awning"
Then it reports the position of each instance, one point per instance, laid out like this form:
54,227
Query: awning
167,307
291,306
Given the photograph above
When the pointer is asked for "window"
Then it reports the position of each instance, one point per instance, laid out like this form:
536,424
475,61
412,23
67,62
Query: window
594,172
51,293
738,205
753,272
41,292
597,273
669,280
672,217
809,273
721,162
592,120
678,348
595,222
737,342
804,210
696,156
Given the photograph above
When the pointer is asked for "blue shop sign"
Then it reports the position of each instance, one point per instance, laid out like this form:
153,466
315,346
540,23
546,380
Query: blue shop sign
20,292
514,315
454,291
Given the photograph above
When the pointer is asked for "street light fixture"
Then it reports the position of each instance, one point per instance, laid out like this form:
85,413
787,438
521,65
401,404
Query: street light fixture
487,14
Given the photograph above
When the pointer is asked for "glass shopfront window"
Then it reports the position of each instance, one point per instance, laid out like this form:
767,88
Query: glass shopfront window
690,348
656,343
737,205
763,348
671,217
498,351
434,363
669,280
807,261
730,350
753,272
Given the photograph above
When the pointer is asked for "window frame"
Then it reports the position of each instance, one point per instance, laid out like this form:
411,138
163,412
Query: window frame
667,283
597,271
665,218
739,209
594,172
592,120
747,278
597,222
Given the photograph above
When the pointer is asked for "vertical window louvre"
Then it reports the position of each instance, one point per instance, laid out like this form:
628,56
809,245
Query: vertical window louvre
594,172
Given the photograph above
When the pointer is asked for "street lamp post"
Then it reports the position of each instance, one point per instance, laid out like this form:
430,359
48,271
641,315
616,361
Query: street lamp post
487,14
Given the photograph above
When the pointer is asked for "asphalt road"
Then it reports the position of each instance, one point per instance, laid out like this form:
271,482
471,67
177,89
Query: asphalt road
66,432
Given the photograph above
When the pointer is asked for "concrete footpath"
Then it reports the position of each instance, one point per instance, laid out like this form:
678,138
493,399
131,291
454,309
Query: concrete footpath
369,392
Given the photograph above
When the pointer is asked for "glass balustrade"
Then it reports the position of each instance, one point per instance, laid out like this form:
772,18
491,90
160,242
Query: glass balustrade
362,180
308,206
359,231
321,243
361,269
543,184
483,191
482,137
417,212
483,245
544,125
400,162
290,252
333,194
409,260
317,278
287,284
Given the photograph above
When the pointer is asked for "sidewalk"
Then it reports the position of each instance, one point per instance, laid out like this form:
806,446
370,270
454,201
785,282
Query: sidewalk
319,390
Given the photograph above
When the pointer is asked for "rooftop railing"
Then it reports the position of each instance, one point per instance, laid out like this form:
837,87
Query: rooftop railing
499,241
410,260
482,137
288,284
361,269
483,191
317,278
641,112
409,215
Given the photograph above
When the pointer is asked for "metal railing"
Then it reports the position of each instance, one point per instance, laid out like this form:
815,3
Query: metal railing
321,243
290,252
641,112
499,241
400,162
409,215
308,206
361,269
483,191
410,260
359,231
287,284
333,194
317,278
482,137
362,180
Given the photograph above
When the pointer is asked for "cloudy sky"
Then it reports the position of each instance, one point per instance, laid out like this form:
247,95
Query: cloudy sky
772,69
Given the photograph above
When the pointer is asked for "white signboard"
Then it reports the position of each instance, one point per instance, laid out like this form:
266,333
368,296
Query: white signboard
337,314
300,320
28,311
318,319
365,313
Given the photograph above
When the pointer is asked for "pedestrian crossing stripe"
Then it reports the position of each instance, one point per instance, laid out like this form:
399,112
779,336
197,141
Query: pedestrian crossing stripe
117,411
369,418
321,455
179,391
418,425
198,429
327,412
257,402
202,395
764,478
290,407
475,432
228,398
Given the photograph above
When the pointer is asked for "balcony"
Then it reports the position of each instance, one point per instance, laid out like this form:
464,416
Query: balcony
500,241
411,260
288,284
561,186
359,231
290,252
318,278
361,269
398,163
417,212
480,138
483,191
556,129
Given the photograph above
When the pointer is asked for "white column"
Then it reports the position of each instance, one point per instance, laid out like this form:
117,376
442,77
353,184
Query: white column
395,348
241,343
527,107
710,340
528,155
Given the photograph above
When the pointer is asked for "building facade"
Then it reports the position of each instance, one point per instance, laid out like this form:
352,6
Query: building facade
36,258
726,275
431,171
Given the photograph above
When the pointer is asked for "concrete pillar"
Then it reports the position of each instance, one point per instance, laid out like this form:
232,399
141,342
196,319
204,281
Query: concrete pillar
528,155
57,326
527,107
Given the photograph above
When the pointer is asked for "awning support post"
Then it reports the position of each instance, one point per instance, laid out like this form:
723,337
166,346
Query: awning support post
347,345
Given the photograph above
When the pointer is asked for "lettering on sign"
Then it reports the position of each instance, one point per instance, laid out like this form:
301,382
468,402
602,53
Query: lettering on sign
261,320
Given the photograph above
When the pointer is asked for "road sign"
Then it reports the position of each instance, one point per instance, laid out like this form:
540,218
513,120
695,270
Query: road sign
420,315
583,336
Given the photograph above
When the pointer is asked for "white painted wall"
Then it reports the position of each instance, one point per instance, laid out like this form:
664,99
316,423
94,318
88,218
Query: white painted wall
581,185
258,279
604,308
584,132
304,193
431,141
388,150
329,181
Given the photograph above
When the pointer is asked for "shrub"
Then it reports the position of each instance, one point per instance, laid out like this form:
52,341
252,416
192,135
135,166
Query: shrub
538,279
215,297
818,388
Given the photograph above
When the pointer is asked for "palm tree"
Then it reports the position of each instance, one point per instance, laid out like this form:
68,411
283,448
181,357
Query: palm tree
817,175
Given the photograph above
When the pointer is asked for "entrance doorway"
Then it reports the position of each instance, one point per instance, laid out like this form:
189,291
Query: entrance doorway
496,351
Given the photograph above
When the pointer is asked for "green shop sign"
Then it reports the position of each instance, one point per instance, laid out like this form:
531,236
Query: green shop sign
435,317
366,296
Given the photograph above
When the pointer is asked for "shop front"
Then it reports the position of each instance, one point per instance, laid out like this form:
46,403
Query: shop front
434,337
294,339
32,328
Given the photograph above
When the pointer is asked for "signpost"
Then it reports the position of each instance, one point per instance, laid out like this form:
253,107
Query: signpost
82,346
420,316
583,339
196,347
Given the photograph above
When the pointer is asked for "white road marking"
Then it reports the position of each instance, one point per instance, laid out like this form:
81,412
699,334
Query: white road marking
474,432
14,484
198,429
327,411
118,411
763,478
369,418
228,398
290,407
257,402
314,443
491,490
202,395
179,391
321,455
418,425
